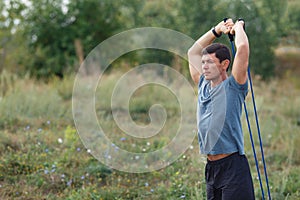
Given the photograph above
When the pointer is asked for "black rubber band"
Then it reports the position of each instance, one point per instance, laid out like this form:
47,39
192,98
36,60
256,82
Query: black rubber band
241,19
231,37
215,33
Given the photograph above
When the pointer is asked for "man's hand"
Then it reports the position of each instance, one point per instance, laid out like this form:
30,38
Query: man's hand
224,27
238,24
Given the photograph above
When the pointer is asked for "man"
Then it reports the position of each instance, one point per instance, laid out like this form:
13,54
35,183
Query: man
220,99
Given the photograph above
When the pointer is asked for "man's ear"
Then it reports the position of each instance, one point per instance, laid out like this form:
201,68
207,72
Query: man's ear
225,64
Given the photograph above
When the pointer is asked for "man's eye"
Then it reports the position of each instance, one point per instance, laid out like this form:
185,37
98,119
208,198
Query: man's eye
208,62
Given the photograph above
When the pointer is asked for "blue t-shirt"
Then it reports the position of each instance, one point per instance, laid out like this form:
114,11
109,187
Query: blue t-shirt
218,116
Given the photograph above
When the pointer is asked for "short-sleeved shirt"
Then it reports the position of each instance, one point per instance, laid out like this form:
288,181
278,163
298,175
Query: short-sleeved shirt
218,116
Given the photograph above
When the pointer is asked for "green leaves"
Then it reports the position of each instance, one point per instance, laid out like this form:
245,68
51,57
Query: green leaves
39,36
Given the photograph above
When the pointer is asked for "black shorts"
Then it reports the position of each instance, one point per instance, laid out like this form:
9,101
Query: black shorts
229,179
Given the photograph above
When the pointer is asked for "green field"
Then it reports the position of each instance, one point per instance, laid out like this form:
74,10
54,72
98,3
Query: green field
42,156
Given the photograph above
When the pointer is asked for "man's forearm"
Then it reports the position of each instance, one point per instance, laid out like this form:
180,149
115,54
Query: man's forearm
241,60
195,52
205,40
241,39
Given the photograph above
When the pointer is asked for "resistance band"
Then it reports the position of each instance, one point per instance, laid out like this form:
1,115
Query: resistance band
231,38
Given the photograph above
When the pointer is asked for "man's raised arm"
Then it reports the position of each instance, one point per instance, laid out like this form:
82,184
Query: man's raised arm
195,52
241,60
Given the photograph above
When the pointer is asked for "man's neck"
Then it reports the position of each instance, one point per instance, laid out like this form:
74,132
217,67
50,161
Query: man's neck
214,83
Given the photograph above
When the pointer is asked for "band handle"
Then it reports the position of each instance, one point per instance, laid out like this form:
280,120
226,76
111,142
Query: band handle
231,37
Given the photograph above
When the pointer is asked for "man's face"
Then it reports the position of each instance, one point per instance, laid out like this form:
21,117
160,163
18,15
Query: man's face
211,66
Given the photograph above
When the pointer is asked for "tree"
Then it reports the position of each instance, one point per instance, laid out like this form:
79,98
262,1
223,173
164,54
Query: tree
11,41
292,31
43,33
261,29
52,28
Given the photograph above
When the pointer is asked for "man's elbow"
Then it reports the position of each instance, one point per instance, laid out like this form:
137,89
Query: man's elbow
192,51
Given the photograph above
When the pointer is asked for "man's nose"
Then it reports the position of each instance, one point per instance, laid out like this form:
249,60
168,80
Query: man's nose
205,66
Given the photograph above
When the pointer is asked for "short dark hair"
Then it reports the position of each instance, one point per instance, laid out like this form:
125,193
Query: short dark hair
222,52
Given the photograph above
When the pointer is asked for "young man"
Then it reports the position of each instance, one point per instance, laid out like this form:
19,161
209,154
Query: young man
220,99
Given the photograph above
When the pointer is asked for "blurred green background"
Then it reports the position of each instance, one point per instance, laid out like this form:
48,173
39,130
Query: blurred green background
43,43
46,37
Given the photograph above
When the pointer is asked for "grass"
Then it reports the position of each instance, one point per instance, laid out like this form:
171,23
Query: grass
42,156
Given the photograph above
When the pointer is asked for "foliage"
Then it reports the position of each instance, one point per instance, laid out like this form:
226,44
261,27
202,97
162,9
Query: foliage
21,102
12,42
51,37
292,25
263,31
52,27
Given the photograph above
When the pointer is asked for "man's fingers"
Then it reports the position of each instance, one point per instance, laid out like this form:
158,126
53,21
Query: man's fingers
229,21
232,32
226,26
226,29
